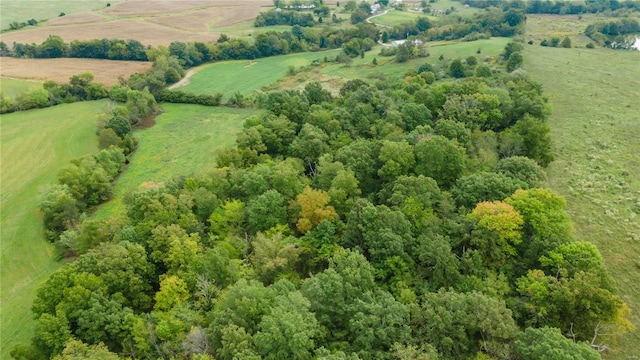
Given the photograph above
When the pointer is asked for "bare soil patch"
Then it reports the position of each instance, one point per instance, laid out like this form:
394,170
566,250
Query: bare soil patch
144,7
60,70
78,18
145,32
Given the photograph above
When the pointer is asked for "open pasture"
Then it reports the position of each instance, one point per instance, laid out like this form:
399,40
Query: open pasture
363,67
394,17
34,145
246,76
60,70
23,10
13,87
183,141
541,26
595,96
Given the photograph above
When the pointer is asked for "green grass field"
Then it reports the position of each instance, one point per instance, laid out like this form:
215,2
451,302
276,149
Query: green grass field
34,145
363,68
246,76
13,87
23,10
595,95
183,141
394,17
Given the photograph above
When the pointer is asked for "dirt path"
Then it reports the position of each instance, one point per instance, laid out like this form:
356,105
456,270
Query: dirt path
380,25
184,81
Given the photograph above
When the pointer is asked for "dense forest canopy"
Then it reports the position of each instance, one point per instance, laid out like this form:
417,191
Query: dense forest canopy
402,218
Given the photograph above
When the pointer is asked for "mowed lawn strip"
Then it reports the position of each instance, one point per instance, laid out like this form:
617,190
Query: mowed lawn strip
184,141
246,76
34,146
595,95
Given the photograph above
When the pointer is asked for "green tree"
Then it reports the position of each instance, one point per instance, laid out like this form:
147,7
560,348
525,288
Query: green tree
521,168
75,349
397,158
546,223
461,324
484,186
289,330
515,61
456,69
266,211
273,256
548,343
496,232
60,211
441,159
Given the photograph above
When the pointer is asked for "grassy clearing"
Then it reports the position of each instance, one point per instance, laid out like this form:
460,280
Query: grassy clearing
540,27
35,145
595,95
23,10
183,141
246,76
393,18
363,67
13,87
458,7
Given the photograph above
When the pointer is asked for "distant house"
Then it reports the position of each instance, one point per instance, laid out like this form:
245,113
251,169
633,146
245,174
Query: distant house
375,8
416,42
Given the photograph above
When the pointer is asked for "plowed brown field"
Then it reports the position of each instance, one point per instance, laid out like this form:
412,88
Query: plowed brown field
60,70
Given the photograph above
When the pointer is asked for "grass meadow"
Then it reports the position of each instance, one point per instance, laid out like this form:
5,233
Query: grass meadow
183,141
363,68
394,17
595,96
246,76
13,87
34,145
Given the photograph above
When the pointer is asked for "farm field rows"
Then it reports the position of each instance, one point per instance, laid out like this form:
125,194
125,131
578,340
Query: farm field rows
150,22
183,141
35,145
595,132
60,70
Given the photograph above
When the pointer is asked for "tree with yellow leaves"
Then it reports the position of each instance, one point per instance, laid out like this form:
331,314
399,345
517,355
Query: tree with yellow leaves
313,209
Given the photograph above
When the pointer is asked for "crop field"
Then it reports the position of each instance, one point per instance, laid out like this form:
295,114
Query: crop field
150,22
13,87
35,145
183,141
60,70
595,95
243,76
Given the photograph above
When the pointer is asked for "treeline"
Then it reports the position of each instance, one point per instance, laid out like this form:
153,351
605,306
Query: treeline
613,33
19,25
87,181
398,220
273,17
195,53
557,7
80,88
494,22
55,47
